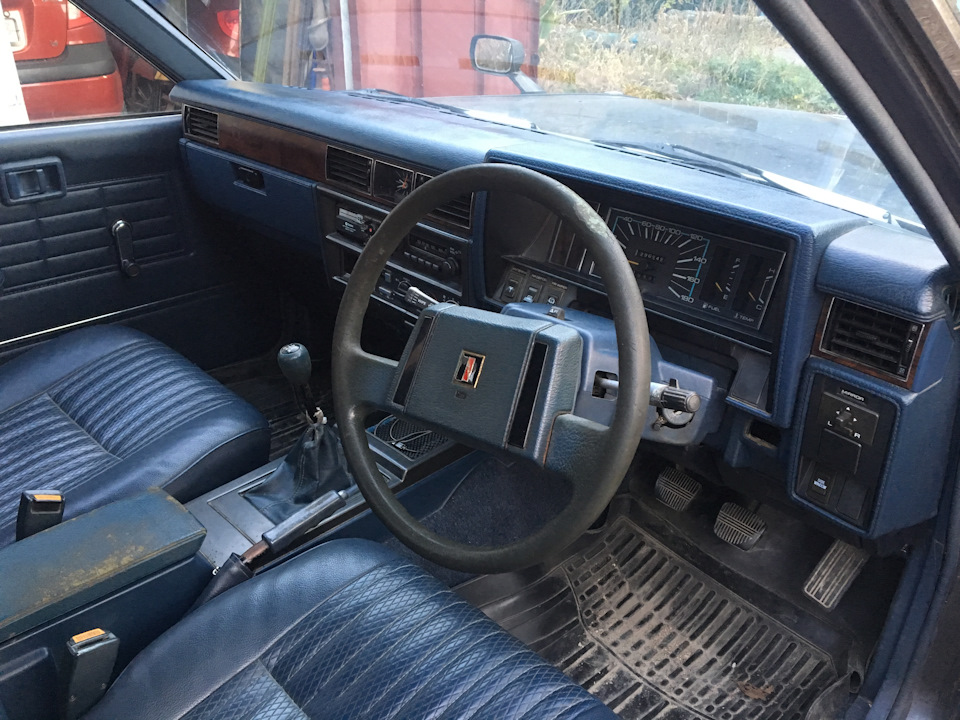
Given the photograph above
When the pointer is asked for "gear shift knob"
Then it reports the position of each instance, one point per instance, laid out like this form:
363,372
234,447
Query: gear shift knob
294,361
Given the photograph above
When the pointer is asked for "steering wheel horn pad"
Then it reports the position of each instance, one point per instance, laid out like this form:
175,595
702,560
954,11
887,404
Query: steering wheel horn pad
491,380
424,386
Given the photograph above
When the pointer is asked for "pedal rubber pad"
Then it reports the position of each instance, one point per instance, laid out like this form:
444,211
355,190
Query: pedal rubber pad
834,574
676,489
738,526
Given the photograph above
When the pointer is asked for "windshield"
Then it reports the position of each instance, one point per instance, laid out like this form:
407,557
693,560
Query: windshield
708,76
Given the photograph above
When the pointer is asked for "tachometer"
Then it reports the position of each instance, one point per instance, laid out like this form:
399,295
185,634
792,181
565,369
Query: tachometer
662,255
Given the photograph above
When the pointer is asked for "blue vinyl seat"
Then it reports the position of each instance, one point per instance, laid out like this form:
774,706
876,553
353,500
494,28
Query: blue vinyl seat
346,630
105,412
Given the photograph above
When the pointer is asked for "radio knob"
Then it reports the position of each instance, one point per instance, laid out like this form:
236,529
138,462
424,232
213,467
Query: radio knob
449,267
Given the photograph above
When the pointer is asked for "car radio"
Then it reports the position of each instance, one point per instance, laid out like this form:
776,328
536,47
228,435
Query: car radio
427,254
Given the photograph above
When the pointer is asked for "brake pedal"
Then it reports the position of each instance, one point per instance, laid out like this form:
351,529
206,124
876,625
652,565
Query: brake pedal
834,574
738,526
676,489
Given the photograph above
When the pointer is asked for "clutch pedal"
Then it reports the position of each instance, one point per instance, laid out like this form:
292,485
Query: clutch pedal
834,574
738,526
676,489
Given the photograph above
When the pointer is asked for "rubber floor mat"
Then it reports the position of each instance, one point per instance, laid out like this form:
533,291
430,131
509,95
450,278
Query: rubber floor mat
654,637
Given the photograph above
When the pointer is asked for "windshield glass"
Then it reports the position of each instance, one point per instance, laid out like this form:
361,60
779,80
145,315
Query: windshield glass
679,77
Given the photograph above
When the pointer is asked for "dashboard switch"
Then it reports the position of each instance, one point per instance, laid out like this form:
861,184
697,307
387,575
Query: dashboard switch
838,452
822,484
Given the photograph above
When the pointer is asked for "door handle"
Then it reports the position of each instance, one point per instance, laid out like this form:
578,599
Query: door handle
123,237
32,180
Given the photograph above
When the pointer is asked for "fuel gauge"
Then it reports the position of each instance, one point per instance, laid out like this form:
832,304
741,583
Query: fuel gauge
753,296
721,279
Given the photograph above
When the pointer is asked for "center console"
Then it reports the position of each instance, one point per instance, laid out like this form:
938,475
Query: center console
405,454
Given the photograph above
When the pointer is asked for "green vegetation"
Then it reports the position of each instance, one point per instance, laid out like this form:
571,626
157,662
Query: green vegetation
722,52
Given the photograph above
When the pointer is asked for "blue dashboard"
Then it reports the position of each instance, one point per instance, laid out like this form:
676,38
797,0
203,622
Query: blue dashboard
826,342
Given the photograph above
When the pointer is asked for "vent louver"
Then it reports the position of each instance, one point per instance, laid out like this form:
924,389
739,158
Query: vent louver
348,168
201,125
456,212
951,296
871,337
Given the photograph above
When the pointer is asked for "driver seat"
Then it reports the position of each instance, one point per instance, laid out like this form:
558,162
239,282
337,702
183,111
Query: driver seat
346,630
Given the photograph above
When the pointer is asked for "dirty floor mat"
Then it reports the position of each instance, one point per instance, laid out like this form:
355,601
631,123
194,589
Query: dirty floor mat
654,637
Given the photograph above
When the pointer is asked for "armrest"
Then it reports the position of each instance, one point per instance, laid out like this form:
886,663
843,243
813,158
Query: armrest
61,569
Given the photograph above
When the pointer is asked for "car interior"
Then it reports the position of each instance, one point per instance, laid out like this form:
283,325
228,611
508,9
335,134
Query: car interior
338,404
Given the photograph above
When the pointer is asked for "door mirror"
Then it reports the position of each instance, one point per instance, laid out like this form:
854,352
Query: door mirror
496,55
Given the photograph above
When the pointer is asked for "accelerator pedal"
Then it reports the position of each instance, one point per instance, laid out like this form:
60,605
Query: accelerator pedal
676,489
834,574
738,526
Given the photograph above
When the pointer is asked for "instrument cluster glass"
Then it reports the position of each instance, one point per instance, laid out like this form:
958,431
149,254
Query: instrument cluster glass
710,274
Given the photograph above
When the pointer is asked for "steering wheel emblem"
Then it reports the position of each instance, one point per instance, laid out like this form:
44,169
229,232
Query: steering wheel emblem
468,369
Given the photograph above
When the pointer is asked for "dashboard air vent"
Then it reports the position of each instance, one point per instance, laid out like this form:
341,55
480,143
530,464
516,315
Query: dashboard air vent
871,337
201,125
456,212
348,168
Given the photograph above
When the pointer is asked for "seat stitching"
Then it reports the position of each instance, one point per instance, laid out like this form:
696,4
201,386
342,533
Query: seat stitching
453,660
511,681
453,700
540,702
342,629
373,639
81,427
46,390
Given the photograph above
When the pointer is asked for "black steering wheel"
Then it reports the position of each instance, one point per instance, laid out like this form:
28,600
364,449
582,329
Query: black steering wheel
494,382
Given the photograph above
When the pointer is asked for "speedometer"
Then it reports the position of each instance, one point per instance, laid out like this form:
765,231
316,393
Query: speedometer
662,255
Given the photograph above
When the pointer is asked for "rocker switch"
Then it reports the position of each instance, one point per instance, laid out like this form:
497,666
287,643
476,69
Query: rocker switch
838,452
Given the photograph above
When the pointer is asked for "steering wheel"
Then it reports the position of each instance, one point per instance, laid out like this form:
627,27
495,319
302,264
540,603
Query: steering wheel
494,382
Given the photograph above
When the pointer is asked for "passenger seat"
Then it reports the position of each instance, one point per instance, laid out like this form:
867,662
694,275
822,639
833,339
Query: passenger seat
105,412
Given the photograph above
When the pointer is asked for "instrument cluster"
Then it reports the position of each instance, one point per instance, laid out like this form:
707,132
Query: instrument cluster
711,274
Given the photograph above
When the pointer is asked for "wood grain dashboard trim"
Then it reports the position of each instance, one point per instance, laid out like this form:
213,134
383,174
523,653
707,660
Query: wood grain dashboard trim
283,149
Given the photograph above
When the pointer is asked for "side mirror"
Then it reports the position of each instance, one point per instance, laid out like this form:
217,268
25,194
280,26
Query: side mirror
496,54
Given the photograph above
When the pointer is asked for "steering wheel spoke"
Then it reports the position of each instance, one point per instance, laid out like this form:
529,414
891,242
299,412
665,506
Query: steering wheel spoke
370,378
579,452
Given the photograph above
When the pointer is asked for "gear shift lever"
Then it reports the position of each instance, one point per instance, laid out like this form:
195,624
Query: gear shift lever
316,464
295,364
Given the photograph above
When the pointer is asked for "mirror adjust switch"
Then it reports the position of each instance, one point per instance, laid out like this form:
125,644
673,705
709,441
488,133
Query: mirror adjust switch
838,452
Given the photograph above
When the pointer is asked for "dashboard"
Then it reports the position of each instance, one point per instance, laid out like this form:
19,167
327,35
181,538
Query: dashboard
809,323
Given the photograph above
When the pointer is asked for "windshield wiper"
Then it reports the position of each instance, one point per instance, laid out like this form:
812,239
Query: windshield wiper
494,117
700,160
400,97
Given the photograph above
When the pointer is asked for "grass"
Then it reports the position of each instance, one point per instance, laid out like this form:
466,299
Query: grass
717,55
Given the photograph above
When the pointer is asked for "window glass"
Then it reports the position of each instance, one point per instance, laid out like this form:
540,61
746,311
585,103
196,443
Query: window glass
62,65
709,81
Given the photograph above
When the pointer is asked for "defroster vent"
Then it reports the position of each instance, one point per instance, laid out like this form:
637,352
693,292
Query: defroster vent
871,337
349,168
202,125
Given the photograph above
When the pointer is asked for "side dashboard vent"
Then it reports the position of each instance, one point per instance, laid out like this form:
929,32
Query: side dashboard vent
871,337
457,212
349,168
202,125
951,296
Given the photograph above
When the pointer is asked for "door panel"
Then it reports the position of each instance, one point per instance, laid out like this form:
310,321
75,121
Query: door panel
59,260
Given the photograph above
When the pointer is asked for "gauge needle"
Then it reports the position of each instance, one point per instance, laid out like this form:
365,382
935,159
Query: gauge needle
718,286
751,296
633,262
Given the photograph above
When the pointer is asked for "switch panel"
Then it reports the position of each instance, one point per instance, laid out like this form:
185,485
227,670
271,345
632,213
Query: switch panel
844,447
521,285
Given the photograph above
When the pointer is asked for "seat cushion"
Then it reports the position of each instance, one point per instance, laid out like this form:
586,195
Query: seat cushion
103,412
346,630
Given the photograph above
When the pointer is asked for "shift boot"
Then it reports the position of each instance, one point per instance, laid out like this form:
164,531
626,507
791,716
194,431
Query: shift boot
315,465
